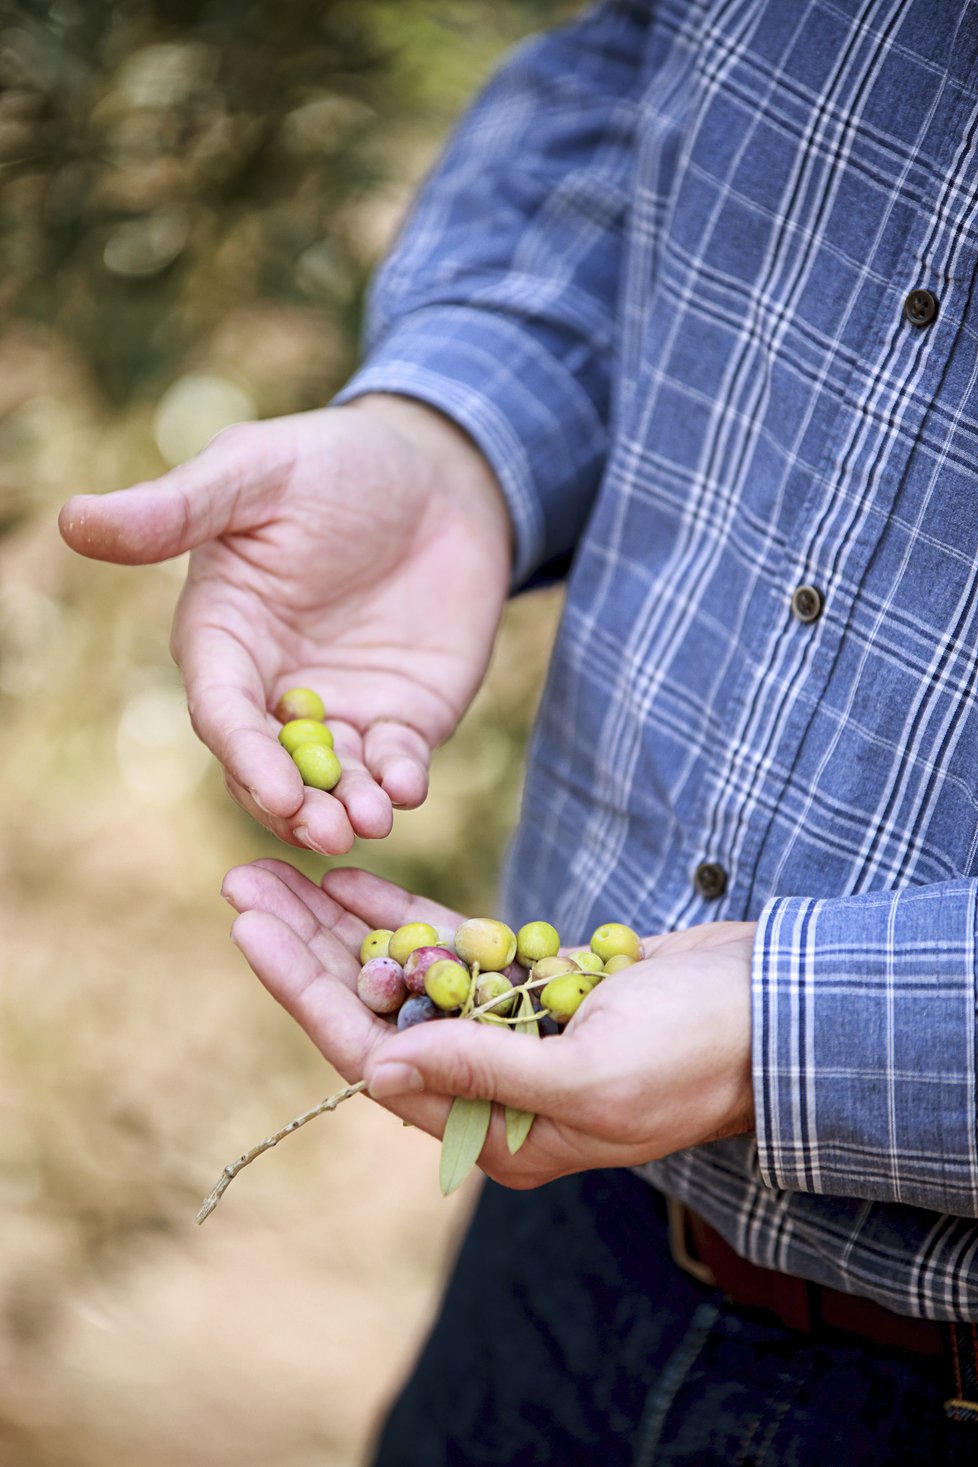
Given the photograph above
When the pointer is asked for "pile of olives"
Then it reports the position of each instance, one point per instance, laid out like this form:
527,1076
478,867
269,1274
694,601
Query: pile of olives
307,738
481,969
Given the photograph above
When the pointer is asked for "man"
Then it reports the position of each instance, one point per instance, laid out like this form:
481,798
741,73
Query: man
687,303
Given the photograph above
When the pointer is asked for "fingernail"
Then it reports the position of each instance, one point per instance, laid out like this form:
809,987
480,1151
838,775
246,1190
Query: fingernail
258,801
394,1078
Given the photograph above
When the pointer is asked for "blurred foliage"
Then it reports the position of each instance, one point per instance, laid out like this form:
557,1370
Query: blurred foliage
192,195
164,162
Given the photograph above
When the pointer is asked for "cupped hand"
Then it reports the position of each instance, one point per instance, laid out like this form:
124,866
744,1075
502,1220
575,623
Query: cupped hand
363,551
656,1059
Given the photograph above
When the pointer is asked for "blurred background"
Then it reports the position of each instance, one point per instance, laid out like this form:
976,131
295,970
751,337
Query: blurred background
192,196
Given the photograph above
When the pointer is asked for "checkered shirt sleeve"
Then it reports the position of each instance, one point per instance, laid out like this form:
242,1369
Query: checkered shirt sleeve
498,304
864,1046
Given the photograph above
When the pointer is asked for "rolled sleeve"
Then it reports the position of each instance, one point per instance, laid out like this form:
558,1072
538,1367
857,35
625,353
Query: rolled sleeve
864,1046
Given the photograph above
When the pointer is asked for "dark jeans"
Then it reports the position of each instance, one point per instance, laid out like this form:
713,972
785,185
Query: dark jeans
568,1336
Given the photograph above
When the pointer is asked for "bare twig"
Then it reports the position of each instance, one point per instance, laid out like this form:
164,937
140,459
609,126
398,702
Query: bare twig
231,1170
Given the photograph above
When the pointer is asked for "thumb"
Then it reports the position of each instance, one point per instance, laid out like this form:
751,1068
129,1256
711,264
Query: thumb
475,1061
227,486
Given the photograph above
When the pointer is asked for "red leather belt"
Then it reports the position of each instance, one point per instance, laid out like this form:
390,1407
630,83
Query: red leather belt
700,1250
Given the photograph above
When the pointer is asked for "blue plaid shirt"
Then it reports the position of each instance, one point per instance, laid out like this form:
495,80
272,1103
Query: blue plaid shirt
661,276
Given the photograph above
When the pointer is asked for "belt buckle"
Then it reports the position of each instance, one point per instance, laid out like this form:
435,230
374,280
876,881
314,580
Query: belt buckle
681,1243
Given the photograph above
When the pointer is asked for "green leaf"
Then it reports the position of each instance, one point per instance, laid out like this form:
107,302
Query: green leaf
518,1122
464,1138
526,1012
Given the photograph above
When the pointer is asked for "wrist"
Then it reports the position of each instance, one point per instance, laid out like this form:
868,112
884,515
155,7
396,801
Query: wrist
458,465
734,1083
712,961
726,1060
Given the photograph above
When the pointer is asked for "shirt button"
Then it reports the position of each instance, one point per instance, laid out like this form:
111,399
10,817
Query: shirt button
807,603
710,880
920,307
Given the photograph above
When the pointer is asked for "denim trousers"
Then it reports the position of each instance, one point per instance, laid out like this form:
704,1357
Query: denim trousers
567,1335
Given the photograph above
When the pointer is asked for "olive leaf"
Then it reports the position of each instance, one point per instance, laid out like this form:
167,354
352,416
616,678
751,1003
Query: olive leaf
518,1122
528,1016
465,1135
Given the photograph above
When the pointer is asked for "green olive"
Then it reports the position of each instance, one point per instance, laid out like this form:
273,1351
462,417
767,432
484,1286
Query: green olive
300,703
612,938
587,961
318,765
447,984
494,985
376,944
412,935
615,964
536,940
563,996
486,941
553,967
304,731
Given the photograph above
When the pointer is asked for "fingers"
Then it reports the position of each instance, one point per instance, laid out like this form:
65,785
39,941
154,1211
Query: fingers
323,821
478,1062
381,903
302,944
320,823
298,979
367,806
398,758
226,699
227,702
333,934
333,1017
462,1058
227,486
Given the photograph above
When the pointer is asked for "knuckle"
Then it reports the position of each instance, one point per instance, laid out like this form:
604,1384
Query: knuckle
185,528
470,1078
234,738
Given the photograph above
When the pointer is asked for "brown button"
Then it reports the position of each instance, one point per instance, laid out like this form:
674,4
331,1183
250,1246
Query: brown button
710,880
807,603
920,307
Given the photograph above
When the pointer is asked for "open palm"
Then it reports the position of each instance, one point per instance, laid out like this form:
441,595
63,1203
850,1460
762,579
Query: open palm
655,1060
334,550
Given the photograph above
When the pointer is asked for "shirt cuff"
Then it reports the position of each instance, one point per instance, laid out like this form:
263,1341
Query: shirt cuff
864,1046
521,403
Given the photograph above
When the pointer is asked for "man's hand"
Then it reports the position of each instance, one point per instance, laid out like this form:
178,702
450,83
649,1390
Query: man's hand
656,1059
362,551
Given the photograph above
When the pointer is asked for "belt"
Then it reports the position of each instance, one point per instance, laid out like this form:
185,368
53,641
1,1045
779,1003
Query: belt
813,1309
797,1303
